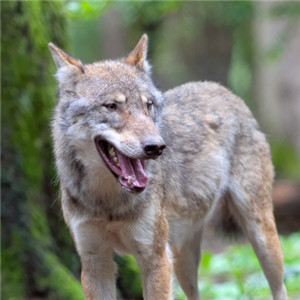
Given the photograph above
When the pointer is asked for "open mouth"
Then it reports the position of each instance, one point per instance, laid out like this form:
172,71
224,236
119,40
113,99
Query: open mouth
129,171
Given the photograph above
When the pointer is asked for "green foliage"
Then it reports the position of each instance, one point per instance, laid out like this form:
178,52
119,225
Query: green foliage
285,159
236,273
146,13
240,71
289,9
85,9
58,281
129,281
230,13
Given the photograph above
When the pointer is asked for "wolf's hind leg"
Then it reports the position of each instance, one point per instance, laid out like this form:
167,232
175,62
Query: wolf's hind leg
257,223
185,242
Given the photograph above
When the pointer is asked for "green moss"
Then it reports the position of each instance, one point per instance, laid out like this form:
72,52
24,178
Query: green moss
29,263
58,280
39,227
13,277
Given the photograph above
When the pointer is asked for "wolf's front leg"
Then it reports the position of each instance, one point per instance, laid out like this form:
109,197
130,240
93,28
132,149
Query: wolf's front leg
98,276
98,269
156,276
152,258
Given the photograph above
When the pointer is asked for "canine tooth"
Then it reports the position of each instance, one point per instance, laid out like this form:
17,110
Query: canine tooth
112,152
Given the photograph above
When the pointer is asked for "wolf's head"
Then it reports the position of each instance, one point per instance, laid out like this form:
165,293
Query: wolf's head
108,111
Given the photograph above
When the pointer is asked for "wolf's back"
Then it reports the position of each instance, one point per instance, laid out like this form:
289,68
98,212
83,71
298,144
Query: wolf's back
211,138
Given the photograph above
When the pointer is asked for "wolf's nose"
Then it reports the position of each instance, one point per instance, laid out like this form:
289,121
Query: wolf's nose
153,147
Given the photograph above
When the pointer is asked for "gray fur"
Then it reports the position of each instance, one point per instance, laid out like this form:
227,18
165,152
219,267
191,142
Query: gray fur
216,165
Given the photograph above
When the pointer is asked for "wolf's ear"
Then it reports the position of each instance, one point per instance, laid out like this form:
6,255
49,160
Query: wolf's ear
138,56
62,59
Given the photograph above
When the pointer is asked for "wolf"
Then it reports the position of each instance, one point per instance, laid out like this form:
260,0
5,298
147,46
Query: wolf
142,172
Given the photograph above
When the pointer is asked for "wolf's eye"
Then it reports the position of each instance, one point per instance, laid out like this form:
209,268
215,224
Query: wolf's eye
111,106
149,104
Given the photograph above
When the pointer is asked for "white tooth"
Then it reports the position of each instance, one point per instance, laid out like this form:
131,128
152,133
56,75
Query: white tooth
111,152
129,180
115,159
118,164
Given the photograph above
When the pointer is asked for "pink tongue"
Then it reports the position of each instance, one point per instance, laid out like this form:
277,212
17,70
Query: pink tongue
134,169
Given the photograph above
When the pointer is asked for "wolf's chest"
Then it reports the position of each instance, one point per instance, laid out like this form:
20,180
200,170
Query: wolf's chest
117,238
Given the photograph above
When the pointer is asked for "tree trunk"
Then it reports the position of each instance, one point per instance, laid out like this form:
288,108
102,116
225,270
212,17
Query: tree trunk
277,72
31,253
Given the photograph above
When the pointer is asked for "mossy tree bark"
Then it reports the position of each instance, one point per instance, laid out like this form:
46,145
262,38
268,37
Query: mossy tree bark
33,262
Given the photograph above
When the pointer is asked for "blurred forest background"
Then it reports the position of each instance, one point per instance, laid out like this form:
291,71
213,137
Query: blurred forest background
251,47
